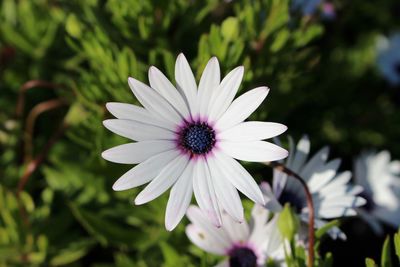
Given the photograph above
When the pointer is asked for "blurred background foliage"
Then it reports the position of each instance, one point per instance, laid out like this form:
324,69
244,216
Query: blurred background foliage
61,61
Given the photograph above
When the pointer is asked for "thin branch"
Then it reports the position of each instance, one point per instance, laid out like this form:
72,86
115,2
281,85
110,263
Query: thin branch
32,166
31,120
30,85
310,205
38,160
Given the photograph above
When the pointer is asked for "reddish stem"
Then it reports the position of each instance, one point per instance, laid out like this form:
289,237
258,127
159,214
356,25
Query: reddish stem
30,85
31,120
310,205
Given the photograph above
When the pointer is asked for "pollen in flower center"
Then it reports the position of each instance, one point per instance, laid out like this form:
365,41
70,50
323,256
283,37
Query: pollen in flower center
242,257
197,138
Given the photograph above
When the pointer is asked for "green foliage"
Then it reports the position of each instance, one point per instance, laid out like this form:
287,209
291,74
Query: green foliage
387,259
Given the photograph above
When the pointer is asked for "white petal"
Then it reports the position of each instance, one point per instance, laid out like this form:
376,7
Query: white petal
273,245
135,113
242,108
167,177
279,181
323,175
154,102
337,212
237,232
209,82
256,151
252,131
271,202
164,87
145,171
394,167
344,201
204,191
317,160
138,131
134,153
340,181
259,218
224,94
227,194
179,198
239,177
302,151
204,240
186,82
290,158
200,219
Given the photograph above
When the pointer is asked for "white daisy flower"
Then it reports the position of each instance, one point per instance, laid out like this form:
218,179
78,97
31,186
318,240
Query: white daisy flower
187,139
245,245
380,179
333,196
388,59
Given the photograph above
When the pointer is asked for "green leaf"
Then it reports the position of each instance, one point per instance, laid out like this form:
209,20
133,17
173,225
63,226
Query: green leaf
386,254
72,253
73,26
370,263
230,28
397,244
288,223
328,260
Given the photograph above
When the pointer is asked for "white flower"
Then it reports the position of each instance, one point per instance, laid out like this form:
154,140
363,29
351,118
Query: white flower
187,139
244,245
333,196
388,59
380,179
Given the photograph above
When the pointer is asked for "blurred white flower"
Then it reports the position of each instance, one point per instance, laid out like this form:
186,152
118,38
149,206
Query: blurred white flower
333,196
388,59
310,7
307,7
187,138
380,179
244,244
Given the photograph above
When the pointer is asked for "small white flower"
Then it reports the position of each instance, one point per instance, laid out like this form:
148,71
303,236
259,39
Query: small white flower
187,138
244,245
380,179
333,196
388,59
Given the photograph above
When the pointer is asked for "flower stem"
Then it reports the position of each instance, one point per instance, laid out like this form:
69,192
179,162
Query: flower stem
310,205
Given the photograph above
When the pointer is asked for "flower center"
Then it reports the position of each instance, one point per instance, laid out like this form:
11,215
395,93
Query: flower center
370,205
397,68
295,199
197,138
242,257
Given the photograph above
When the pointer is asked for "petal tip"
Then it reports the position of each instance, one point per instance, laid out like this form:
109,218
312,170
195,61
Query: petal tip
139,200
181,56
169,225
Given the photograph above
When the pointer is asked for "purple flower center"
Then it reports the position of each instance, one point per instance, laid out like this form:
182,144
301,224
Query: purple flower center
295,199
242,257
197,138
